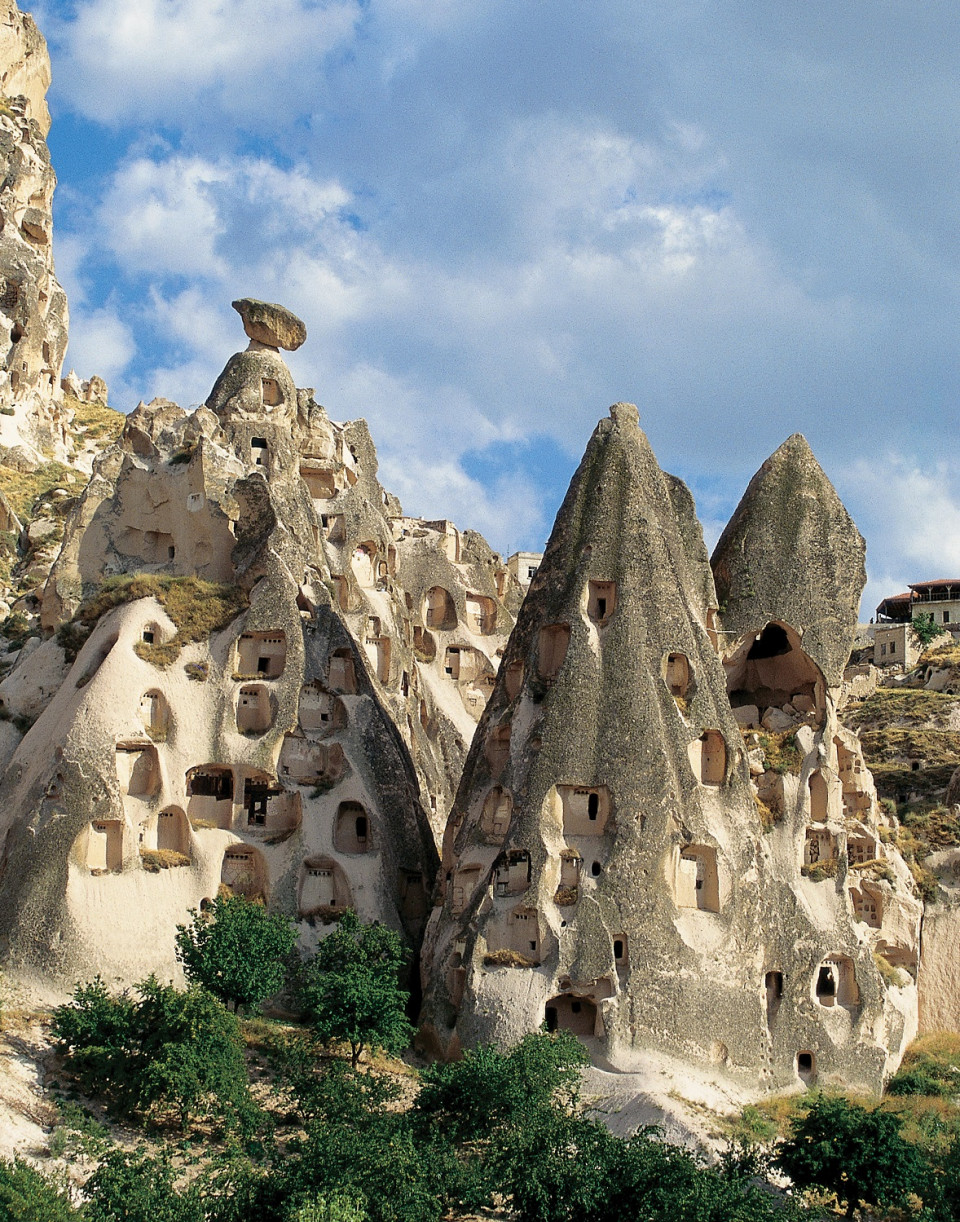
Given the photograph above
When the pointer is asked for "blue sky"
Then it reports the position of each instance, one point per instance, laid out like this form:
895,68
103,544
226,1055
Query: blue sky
497,218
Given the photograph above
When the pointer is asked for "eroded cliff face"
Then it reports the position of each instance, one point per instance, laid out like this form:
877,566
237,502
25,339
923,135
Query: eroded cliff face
33,306
608,868
264,742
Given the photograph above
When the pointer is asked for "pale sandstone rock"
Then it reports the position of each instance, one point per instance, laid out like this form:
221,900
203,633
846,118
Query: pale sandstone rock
776,720
269,324
605,867
33,307
747,716
353,735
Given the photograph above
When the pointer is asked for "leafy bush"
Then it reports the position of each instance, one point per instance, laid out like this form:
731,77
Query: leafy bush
857,1154
925,628
165,1055
237,950
27,1196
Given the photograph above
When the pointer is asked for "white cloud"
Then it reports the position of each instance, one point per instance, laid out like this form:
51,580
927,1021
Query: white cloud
158,61
100,343
163,217
910,514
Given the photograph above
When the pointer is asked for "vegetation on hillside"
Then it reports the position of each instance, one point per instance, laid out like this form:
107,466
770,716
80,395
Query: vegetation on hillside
197,608
24,488
907,741
95,421
320,1137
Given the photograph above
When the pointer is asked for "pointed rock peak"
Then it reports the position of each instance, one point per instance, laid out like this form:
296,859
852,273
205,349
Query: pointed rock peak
625,413
791,553
271,325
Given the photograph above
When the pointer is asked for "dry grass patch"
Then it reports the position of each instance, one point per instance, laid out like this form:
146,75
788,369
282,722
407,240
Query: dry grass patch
96,421
198,608
155,860
507,958
24,488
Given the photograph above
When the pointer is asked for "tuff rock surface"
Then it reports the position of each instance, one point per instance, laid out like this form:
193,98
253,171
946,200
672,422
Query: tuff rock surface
270,324
274,755
608,867
33,306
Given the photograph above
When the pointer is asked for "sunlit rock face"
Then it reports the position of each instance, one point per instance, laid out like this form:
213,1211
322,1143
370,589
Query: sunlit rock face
260,756
304,749
33,306
608,867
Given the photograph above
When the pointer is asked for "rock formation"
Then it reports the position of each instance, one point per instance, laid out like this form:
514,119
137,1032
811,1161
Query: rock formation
33,306
253,733
609,866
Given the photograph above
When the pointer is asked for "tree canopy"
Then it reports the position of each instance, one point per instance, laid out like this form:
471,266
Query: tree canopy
351,988
237,950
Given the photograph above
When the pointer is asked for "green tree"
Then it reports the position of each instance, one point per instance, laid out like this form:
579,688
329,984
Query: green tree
28,1196
487,1089
237,950
351,989
858,1154
131,1187
925,628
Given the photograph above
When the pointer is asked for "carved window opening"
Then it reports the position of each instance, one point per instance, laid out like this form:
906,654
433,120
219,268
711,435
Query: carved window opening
601,601
342,673
320,711
104,847
244,872
324,889
424,646
818,791
439,609
497,809
363,564
578,1015
552,646
352,829
584,810
819,846
807,1066
167,832
678,677
259,451
773,990
513,679
867,906
254,710
498,749
708,758
481,614
451,662
138,770
210,796
698,884
262,653
513,874
465,882
836,983
155,713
